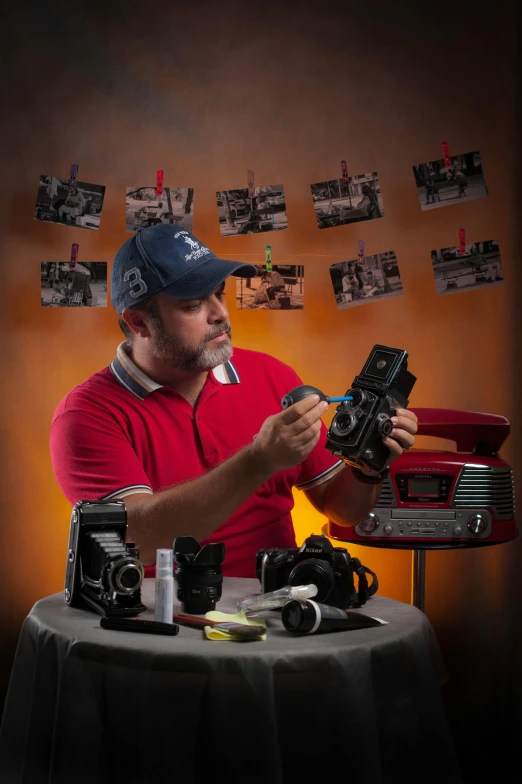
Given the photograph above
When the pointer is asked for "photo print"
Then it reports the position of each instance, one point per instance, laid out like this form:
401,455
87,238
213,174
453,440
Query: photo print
80,207
84,285
280,289
358,281
337,203
144,208
439,185
477,267
238,214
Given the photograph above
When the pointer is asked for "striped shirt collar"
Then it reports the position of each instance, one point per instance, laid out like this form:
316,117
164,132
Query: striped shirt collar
136,381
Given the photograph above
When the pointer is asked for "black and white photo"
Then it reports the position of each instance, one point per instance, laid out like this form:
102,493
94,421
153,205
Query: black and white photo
80,206
145,208
238,214
280,289
478,266
361,280
81,285
439,185
336,202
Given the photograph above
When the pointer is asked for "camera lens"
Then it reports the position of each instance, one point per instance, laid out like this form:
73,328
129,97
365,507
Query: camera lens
358,398
198,590
343,424
125,575
315,571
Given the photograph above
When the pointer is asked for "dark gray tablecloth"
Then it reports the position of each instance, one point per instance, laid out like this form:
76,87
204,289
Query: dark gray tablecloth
90,705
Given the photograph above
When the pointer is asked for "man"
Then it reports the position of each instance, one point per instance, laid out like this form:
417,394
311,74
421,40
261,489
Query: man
189,432
73,206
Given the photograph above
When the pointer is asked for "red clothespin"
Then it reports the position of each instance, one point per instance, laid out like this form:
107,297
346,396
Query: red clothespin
159,182
74,255
360,252
268,257
344,170
462,241
72,177
251,189
445,153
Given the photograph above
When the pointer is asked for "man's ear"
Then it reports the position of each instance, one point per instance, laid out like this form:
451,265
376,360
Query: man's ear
137,321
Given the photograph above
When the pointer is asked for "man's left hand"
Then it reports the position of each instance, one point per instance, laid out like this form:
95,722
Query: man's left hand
402,436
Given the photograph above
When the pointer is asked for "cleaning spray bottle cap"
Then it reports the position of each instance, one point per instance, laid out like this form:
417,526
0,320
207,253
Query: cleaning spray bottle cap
164,563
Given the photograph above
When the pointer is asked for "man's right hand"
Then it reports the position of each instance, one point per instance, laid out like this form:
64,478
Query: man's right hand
287,438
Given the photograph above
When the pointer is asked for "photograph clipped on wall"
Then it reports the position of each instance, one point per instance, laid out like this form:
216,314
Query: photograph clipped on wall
337,202
439,185
238,214
361,280
81,285
478,266
80,206
143,207
282,288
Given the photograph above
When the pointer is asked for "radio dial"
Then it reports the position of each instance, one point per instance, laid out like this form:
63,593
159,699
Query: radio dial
458,530
476,524
370,523
388,529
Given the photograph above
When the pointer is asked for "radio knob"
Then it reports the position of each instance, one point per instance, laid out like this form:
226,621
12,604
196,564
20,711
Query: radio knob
476,524
370,523
388,529
458,530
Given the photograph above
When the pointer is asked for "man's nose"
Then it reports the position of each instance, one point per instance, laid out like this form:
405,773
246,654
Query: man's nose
218,310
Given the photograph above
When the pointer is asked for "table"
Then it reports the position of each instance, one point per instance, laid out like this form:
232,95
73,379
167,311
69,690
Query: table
90,705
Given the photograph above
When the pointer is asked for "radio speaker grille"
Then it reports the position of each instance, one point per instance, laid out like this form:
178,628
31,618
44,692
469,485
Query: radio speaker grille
387,494
479,486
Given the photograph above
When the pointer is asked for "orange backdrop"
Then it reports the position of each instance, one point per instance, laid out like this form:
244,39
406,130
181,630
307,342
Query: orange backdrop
207,94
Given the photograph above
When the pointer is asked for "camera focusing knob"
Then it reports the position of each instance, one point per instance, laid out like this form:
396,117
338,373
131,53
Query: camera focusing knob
384,425
370,523
476,523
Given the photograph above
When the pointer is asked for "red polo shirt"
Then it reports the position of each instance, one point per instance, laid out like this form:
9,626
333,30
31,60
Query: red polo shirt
120,433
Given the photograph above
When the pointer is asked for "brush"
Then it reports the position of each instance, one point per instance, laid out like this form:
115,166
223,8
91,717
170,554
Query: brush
242,631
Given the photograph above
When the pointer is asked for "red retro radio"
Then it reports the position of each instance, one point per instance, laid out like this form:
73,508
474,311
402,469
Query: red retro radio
444,498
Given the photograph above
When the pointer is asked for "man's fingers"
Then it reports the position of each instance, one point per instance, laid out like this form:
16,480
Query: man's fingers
296,411
301,421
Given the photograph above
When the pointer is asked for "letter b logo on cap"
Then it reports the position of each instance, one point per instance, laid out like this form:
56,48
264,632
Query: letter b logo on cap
134,276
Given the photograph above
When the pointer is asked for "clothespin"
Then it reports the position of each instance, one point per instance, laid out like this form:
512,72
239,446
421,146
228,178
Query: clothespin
251,188
445,153
344,170
360,251
268,257
462,241
72,177
74,254
159,182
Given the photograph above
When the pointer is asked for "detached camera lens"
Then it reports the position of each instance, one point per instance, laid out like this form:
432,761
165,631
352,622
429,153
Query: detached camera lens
343,424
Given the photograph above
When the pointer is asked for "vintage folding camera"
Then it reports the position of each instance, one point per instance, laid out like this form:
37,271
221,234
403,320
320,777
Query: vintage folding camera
360,424
103,571
317,561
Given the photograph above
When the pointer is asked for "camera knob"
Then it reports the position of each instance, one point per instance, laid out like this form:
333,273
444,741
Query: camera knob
370,523
477,523
384,425
388,529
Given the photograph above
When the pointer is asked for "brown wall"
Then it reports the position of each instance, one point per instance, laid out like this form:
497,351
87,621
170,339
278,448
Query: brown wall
207,91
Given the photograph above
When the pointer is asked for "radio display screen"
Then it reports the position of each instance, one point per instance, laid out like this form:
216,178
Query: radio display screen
424,487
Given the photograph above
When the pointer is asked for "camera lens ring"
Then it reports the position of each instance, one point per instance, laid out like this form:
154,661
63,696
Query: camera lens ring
343,424
316,571
359,398
116,571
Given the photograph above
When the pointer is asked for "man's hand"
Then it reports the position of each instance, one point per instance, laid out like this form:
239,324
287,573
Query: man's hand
287,438
402,436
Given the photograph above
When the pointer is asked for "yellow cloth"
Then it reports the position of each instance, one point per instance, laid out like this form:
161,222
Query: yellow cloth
215,634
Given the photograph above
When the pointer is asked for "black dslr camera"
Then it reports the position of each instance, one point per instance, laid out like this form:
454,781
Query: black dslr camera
359,424
330,568
198,574
103,572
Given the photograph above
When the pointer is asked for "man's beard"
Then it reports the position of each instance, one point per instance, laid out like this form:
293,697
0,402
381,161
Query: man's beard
192,358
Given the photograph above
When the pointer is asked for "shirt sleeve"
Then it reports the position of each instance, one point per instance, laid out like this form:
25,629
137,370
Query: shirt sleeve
93,459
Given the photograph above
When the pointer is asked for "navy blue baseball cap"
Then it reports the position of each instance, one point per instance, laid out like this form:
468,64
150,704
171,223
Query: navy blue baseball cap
166,259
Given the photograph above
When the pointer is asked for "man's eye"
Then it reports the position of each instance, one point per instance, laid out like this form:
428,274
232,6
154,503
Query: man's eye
196,306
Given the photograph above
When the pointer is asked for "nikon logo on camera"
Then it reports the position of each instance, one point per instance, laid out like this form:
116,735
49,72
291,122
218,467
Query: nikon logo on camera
313,550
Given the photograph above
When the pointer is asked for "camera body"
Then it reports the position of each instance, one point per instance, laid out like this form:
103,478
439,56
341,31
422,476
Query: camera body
198,574
359,425
316,561
103,571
